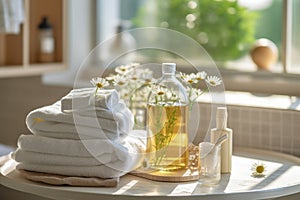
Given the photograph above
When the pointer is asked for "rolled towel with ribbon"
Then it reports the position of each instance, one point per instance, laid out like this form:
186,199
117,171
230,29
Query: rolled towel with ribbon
83,98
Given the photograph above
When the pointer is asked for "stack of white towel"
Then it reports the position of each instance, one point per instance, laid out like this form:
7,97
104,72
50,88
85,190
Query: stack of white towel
83,134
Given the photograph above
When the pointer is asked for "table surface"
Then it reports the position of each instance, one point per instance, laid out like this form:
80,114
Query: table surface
282,178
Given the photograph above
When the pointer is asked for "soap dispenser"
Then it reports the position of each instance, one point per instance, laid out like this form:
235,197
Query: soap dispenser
220,130
46,42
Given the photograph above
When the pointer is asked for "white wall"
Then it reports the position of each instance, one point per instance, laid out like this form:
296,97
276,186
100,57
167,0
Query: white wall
81,22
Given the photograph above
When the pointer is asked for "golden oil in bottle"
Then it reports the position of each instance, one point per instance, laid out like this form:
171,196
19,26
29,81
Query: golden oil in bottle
167,144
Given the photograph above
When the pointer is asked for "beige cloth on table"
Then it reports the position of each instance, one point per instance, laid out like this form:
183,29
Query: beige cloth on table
54,179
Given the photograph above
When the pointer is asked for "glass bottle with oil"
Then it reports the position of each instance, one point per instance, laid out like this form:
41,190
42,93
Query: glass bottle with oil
167,108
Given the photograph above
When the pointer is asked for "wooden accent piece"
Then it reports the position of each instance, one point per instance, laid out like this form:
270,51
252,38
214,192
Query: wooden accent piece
172,176
54,11
11,51
264,54
14,50
2,49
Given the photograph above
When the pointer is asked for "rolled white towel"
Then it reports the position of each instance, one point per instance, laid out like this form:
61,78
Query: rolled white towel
98,123
85,97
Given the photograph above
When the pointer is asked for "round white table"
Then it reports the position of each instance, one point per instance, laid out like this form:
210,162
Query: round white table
282,178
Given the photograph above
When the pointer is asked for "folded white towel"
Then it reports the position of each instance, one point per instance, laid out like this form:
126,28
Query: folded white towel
125,155
81,133
31,157
82,148
92,123
101,171
130,145
85,97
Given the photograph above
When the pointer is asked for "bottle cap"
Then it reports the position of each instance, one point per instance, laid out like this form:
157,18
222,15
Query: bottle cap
221,118
45,24
169,68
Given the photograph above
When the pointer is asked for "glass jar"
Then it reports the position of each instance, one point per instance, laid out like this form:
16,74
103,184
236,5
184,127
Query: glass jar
167,111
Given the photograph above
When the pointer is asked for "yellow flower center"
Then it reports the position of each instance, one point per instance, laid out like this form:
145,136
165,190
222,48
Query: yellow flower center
213,82
190,81
38,120
260,169
160,93
121,83
99,85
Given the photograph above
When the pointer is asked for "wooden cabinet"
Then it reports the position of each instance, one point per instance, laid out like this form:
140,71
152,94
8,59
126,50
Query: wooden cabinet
19,54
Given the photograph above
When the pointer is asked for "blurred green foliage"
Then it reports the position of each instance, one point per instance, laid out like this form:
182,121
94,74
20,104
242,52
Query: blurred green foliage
224,28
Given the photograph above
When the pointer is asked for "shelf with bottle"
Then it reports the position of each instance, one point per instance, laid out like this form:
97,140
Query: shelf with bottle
38,47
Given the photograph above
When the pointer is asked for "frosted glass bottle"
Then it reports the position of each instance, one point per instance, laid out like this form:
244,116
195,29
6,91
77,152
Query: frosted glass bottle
220,130
167,120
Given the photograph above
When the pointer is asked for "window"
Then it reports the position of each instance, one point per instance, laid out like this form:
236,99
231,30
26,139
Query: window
295,39
234,25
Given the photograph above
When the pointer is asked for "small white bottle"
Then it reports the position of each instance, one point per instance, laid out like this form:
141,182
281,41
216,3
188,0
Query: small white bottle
47,43
220,130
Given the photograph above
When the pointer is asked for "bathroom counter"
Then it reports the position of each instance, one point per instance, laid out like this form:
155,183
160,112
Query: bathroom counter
282,178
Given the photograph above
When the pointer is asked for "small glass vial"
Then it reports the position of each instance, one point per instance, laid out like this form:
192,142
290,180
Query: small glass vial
47,46
209,163
167,111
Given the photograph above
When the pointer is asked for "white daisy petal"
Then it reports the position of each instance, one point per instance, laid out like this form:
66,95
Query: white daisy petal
123,69
120,80
190,78
159,90
213,80
181,75
201,75
99,82
194,93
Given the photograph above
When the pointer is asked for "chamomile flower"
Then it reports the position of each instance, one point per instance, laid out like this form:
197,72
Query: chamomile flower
145,73
171,96
99,82
159,90
135,65
123,69
213,80
201,76
181,75
149,82
133,77
120,80
258,169
193,93
190,78
146,163
125,93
